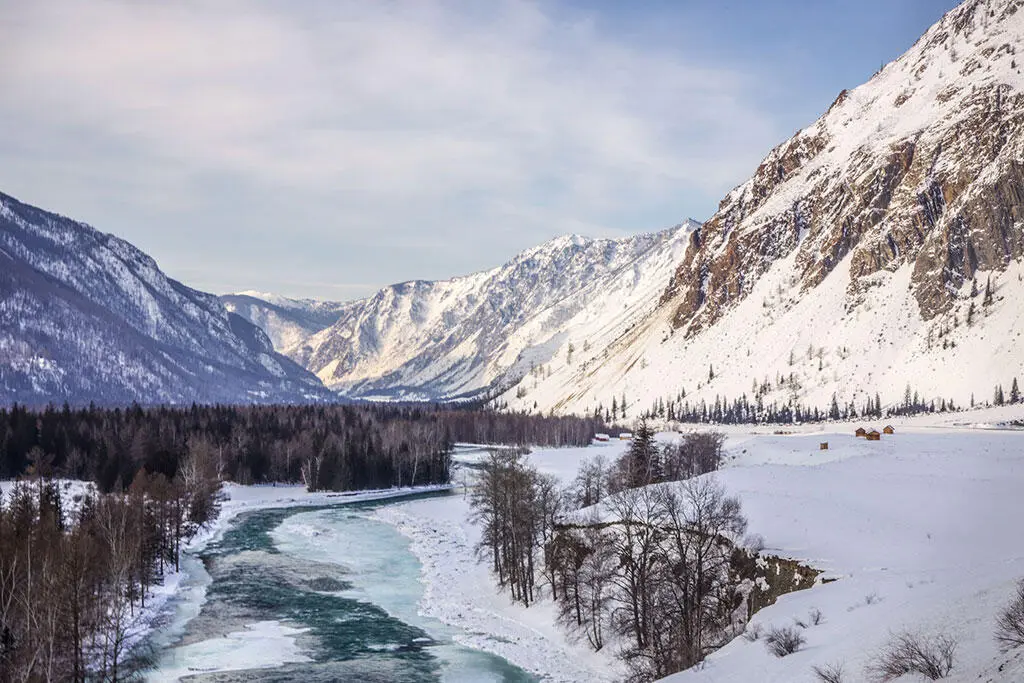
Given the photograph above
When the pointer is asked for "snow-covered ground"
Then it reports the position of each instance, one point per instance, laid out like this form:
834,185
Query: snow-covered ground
72,493
921,529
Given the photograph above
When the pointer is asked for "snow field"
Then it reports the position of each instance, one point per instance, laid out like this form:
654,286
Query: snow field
919,530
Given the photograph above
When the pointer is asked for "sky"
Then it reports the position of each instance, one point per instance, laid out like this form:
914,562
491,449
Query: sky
326,148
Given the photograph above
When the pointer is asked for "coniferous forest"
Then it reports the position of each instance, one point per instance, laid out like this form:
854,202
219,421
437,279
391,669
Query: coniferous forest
326,447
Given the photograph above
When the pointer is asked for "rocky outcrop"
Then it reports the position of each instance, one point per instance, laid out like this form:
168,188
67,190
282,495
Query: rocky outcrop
920,166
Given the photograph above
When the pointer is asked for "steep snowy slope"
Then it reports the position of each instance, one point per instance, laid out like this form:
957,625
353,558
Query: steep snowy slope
856,259
85,316
462,337
286,321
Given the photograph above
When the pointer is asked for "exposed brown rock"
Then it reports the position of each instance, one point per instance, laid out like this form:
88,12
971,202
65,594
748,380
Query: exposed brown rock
949,206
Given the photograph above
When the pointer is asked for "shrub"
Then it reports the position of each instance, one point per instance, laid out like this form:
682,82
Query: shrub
913,653
784,641
829,673
1010,622
753,632
816,616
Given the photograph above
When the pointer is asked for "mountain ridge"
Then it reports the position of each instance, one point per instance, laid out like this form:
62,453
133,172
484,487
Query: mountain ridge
88,317
464,336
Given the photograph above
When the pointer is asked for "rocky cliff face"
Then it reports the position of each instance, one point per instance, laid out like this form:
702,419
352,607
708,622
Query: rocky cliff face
85,316
921,166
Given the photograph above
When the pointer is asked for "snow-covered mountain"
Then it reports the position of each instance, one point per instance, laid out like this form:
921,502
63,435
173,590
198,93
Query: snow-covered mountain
85,316
856,258
286,321
468,335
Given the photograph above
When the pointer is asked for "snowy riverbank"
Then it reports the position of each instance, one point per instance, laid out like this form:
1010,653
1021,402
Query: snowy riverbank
460,591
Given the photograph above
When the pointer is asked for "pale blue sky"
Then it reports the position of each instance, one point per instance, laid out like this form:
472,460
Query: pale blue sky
328,147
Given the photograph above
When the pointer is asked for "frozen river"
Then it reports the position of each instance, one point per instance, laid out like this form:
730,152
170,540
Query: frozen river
311,594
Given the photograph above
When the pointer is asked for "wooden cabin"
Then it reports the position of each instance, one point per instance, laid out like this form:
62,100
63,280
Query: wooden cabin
625,436
823,446
860,432
601,437
873,435
889,430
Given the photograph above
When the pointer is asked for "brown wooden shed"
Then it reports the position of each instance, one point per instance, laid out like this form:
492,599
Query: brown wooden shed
873,435
889,430
860,432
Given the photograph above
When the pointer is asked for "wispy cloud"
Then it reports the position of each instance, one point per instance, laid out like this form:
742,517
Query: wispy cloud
430,119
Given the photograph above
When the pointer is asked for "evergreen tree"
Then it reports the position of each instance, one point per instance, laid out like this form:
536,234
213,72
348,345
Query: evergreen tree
1014,392
641,456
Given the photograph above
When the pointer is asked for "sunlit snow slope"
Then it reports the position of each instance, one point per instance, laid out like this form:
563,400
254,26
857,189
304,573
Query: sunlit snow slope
462,337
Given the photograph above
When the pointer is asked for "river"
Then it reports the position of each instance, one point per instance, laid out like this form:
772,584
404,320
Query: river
311,594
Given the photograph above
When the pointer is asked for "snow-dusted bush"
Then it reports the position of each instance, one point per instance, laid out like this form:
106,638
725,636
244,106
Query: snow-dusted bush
784,641
753,632
816,616
829,673
906,653
1010,622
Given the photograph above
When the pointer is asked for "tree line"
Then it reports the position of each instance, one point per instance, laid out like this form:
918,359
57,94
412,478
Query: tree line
327,447
650,564
744,410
